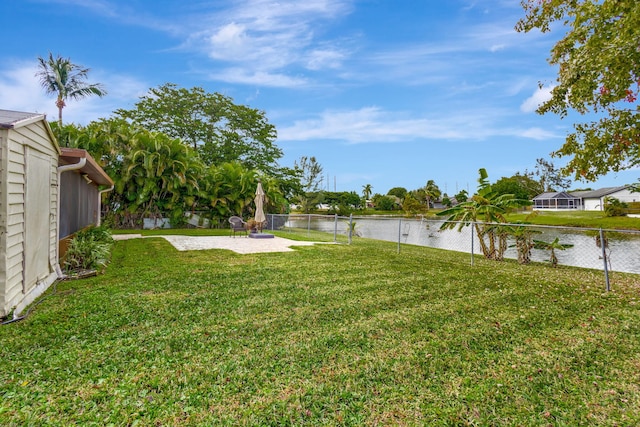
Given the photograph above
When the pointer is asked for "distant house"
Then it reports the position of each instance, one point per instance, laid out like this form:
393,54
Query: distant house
592,200
556,201
28,208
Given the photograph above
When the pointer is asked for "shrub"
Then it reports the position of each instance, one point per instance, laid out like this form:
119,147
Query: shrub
614,207
90,249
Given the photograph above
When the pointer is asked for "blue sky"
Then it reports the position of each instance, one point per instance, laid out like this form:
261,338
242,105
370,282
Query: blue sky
381,92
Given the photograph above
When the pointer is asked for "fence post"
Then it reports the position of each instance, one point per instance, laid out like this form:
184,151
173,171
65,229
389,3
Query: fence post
308,225
472,234
399,233
335,228
603,244
350,226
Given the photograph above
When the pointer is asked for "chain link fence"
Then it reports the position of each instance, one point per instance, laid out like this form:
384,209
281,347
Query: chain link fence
605,250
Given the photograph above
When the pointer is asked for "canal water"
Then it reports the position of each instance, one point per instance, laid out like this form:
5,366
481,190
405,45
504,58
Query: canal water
623,247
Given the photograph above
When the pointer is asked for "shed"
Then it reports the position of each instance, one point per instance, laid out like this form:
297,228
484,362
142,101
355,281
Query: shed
556,201
82,182
29,156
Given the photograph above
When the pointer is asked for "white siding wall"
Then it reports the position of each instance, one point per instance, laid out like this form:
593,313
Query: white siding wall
35,136
592,205
626,196
3,216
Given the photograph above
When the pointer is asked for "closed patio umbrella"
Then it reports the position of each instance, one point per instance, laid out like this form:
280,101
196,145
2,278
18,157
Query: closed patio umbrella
259,200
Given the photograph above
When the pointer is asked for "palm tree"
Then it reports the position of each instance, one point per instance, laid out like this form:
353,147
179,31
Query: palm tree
432,192
485,210
67,80
367,189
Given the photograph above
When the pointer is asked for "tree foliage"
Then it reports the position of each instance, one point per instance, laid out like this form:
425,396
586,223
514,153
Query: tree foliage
309,171
599,72
159,176
521,186
211,123
399,192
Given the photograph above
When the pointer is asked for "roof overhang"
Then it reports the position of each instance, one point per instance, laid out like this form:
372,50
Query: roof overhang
91,168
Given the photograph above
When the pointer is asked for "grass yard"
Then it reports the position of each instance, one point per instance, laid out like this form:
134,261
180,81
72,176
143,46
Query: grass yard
325,335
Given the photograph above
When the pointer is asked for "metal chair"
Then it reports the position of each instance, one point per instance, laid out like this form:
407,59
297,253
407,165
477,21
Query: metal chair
238,225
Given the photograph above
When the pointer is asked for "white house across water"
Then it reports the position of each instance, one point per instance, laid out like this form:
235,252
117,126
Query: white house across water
592,200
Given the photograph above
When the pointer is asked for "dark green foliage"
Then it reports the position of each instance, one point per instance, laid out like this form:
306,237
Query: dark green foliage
399,192
385,203
521,186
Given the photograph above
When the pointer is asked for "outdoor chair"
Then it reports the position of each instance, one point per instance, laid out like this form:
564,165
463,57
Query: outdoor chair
238,225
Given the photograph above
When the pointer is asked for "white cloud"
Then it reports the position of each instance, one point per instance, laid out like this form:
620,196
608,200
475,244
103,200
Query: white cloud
21,91
262,38
259,78
538,133
540,96
373,124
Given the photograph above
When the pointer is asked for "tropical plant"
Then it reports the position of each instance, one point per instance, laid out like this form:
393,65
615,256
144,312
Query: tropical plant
66,80
431,193
90,249
614,207
159,175
462,196
367,190
552,247
523,235
485,212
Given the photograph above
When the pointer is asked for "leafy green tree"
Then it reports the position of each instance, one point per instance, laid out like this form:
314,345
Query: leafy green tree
485,210
598,72
399,192
384,203
411,205
310,172
211,123
521,186
66,80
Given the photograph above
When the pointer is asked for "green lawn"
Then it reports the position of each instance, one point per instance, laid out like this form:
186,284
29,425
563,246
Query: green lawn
325,335
586,219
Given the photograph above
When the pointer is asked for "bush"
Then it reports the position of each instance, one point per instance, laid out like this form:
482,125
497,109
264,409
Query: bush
614,207
90,249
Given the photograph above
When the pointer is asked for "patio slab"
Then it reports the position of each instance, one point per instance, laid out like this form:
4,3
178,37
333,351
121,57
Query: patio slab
241,245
